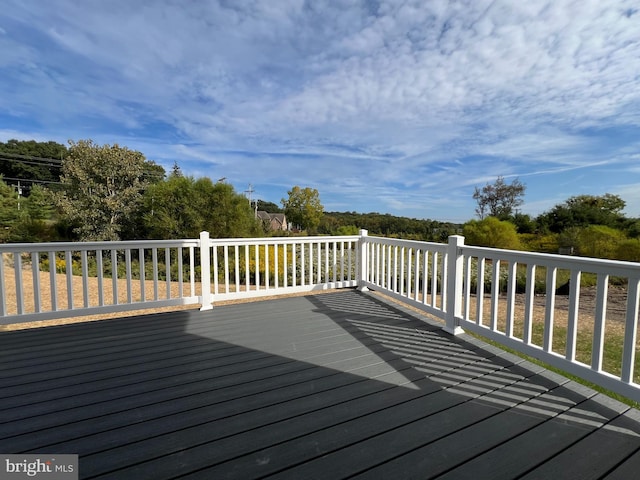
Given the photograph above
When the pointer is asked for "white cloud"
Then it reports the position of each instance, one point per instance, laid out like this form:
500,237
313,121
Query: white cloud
411,100
8,134
631,195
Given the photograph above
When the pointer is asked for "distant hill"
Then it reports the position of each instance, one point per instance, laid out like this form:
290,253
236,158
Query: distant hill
389,225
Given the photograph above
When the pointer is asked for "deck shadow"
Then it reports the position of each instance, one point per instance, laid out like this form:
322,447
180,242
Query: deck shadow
326,386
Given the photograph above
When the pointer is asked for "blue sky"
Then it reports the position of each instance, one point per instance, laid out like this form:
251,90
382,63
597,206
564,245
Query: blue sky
398,107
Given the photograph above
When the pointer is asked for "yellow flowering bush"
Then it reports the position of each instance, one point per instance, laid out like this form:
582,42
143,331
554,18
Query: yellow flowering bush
265,253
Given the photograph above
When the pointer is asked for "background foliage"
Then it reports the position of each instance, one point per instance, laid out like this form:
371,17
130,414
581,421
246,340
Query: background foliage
303,208
93,192
102,186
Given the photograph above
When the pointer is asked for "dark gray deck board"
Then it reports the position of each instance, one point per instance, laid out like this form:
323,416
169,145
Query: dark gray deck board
340,385
604,445
627,469
463,434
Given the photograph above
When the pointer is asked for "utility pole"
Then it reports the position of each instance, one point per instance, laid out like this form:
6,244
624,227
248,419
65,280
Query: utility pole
250,191
19,194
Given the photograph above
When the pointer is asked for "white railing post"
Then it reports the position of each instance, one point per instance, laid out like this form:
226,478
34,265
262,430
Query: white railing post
205,271
363,256
455,272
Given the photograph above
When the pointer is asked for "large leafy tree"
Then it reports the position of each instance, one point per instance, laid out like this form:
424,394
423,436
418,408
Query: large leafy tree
303,208
582,211
170,209
183,206
226,213
499,199
102,188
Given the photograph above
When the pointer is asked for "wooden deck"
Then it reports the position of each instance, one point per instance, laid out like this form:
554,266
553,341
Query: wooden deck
339,385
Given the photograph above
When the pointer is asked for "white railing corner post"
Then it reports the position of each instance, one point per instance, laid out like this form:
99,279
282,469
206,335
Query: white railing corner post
205,272
455,272
363,256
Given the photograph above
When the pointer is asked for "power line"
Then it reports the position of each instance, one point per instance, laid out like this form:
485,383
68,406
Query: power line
26,162
48,164
52,162
31,158
30,180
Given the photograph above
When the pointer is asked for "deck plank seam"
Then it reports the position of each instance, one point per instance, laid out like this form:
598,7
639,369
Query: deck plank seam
445,408
462,401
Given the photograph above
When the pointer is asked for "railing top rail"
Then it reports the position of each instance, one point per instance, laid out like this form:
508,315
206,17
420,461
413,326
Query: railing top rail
282,240
613,267
80,246
408,243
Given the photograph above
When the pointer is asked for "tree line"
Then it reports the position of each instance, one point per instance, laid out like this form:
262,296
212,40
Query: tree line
586,225
107,192
349,223
91,192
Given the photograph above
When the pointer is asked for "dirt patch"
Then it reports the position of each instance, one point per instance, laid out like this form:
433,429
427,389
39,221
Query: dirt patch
616,302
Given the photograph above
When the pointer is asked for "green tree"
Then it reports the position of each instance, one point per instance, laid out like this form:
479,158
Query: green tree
269,207
570,238
182,207
303,208
524,223
39,205
27,229
582,211
226,213
9,212
632,227
389,225
22,221
329,225
175,170
31,161
491,232
153,173
102,188
170,209
499,199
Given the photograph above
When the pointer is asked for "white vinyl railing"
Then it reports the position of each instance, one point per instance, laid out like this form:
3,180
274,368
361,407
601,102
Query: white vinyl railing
43,281
244,268
511,297
585,336
410,271
57,280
